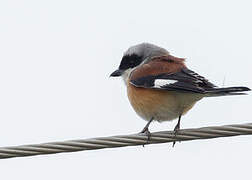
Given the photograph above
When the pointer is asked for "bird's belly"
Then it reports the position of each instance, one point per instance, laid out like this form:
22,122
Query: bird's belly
160,104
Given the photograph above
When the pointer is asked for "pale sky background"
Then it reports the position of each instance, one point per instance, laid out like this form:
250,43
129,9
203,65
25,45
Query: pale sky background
55,61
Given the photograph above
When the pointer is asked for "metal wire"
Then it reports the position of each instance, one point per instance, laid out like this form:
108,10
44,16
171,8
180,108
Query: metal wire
125,140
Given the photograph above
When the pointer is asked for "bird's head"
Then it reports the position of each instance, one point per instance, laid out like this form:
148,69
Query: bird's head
136,56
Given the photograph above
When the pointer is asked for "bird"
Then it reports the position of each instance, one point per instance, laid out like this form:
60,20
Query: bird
161,88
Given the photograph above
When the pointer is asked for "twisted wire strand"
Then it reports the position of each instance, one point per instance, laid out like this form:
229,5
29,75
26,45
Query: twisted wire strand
125,140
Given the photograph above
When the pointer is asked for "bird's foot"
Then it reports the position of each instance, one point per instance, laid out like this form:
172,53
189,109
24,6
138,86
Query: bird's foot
176,129
147,133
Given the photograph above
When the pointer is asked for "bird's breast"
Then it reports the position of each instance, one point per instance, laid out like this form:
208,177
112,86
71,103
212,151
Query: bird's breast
161,105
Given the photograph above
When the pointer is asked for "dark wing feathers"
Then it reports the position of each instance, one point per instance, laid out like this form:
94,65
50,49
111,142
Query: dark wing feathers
183,80
183,86
200,79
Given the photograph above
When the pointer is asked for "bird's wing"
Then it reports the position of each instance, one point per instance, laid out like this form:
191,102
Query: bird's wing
169,73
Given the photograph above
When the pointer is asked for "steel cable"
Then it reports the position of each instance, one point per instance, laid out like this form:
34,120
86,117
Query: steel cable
125,140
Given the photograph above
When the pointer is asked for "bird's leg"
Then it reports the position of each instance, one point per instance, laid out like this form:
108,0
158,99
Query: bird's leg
176,129
146,129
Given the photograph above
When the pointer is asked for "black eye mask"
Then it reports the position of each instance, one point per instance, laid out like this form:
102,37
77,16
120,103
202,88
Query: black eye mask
130,61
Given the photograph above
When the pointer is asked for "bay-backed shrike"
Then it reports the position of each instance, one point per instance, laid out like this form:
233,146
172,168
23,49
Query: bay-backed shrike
160,87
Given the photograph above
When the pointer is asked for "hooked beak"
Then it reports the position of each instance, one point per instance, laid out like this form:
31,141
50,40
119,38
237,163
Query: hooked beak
116,73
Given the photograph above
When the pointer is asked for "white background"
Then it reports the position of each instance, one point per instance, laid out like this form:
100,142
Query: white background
55,61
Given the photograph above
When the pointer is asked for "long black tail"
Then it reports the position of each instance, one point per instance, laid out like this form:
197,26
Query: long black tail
227,91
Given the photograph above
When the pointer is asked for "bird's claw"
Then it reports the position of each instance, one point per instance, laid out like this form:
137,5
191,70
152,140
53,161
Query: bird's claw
176,129
147,133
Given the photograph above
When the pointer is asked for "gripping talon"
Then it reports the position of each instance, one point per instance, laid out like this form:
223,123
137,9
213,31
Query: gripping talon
176,129
146,131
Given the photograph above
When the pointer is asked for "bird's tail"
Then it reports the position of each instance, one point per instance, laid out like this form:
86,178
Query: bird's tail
226,91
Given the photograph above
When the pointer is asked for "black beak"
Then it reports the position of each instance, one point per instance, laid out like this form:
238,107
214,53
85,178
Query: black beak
116,73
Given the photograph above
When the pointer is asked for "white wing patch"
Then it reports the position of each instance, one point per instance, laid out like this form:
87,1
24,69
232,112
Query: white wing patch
162,82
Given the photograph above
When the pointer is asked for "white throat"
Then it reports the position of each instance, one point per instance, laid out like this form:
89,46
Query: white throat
126,75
